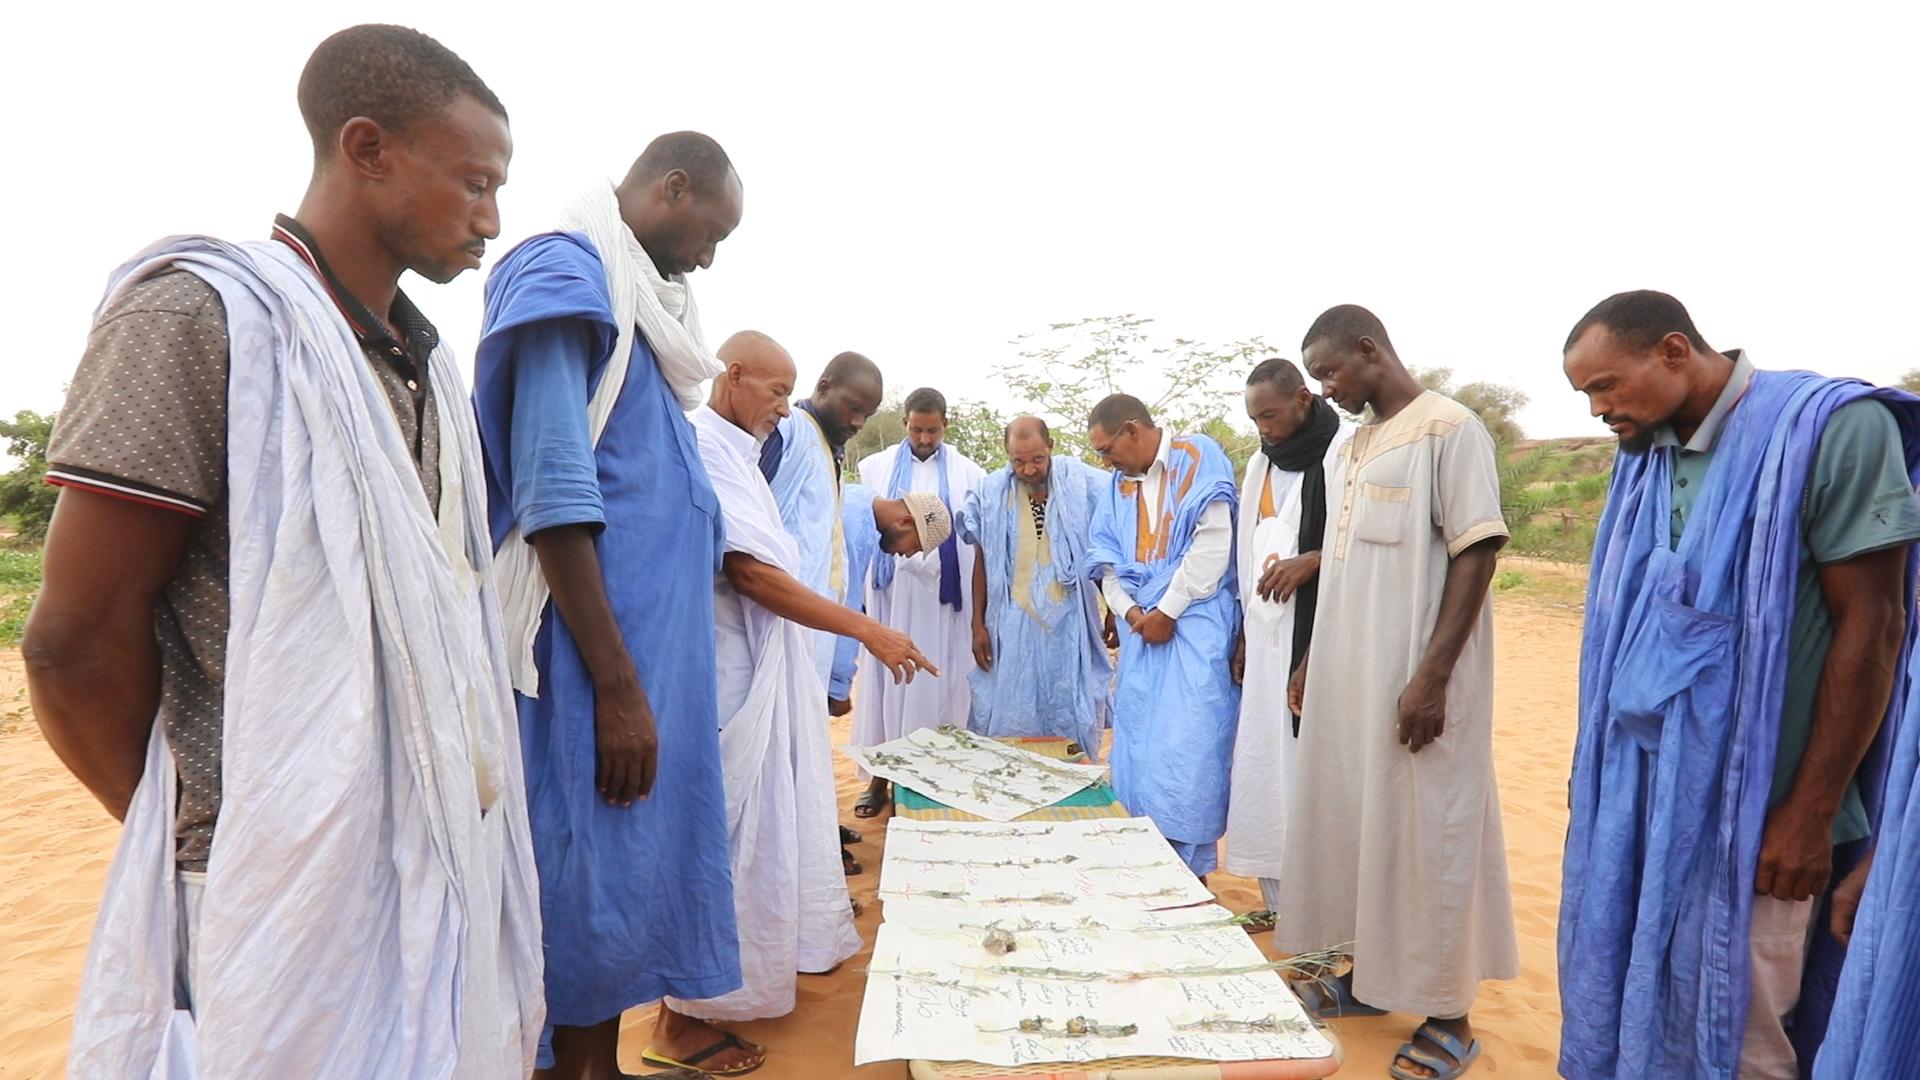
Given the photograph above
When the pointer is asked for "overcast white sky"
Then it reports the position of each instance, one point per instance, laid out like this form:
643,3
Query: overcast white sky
925,182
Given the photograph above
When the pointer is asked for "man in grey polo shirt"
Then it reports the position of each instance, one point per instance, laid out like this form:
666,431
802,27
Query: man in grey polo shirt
1752,587
248,564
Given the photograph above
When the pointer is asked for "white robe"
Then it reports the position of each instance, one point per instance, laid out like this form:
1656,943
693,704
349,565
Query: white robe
790,893
883,711
1264,751
370,906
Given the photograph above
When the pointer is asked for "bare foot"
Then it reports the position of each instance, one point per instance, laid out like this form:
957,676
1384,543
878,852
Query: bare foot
680,1037
1459,1029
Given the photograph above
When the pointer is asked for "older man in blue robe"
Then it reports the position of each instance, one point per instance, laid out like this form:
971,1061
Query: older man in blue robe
1162,549
1038,642
1747,618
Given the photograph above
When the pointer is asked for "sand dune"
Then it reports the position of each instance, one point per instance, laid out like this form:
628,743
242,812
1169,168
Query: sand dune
58,843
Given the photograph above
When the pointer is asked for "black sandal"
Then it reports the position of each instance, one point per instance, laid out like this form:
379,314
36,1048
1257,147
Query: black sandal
728,1041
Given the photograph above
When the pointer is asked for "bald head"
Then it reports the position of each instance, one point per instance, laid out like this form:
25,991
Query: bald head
1028,427
1030,450
752,392
754,351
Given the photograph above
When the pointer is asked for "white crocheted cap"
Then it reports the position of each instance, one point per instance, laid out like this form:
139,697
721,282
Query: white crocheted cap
930,519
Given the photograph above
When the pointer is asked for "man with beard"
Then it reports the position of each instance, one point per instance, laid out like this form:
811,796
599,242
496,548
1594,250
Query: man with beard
1283,519
923,595
1037,623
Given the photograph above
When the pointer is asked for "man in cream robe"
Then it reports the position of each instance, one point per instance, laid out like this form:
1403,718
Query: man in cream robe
925,595
790,896
1400,849
1283,513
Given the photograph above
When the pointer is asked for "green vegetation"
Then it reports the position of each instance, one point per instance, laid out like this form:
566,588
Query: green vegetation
26,502
1506,580
19,583
26,507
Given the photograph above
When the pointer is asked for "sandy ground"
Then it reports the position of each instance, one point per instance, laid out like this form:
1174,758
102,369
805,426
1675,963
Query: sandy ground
58,844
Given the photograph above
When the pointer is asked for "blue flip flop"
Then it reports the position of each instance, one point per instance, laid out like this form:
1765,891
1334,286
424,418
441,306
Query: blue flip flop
1333,999
1463,1054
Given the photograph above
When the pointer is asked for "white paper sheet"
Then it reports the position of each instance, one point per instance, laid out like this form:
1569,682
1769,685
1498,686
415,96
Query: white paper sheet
936,991
974,773
1082,865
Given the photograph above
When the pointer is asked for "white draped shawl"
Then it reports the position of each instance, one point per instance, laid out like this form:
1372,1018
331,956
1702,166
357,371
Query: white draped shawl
370,904
790,894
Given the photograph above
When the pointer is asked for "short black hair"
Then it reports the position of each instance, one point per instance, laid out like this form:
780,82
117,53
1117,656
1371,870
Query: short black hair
1638,320
1344,325
391,75
697,155
1029,421
1281,373
850,367
1116,409
927,400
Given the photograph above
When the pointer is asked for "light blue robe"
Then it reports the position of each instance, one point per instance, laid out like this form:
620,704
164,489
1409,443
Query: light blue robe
807,491
1670,785
1874,1030
1051,675
1175,707
862,542
637,902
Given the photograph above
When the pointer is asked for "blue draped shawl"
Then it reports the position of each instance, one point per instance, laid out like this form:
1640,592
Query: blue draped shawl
1682,676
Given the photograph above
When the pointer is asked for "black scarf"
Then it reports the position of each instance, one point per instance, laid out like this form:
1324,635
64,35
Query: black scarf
1305,451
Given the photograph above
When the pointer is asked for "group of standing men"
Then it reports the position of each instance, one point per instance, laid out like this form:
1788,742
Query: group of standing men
446,730
443,735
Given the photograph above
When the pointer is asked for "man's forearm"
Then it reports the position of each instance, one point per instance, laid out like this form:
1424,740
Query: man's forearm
1855,686
571,565
1468,576
783,594
979,586
95,688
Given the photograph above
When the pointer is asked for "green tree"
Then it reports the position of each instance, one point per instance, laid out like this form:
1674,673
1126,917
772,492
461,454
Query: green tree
973,427
25,498
976,430
1189,385
884,428
1497,404
1910,382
